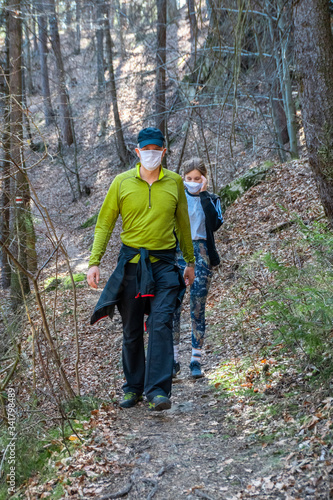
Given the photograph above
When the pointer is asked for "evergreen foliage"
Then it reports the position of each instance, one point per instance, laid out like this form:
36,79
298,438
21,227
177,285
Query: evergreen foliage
300,304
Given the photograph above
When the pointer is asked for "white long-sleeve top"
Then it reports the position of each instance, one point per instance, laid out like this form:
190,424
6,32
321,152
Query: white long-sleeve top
197,217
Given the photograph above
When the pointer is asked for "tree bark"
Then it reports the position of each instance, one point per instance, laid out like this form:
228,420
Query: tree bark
68,17
27,56
276,101
279,114
280,49
121,10
5,196
290,108
66,120
314,49
33,27
99,45
43,52
22,194
172,11
78,27
193,20
160,61
122,150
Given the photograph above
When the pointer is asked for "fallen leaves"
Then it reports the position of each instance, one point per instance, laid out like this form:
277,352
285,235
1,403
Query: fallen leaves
73,438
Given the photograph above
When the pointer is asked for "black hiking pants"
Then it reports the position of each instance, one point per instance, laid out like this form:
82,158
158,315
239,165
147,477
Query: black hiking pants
153,375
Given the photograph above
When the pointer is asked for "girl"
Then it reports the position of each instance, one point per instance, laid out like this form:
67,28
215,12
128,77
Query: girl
204,209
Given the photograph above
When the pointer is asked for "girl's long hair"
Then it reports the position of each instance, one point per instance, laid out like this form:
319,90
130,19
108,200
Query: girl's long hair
194,164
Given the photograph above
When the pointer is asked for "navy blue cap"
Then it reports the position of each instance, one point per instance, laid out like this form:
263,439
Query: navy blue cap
150,135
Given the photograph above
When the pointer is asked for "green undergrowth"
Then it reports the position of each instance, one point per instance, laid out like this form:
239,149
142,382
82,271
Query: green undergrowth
40,444
53,282
299,305
286,303
89,222
276,319
266,404
247,376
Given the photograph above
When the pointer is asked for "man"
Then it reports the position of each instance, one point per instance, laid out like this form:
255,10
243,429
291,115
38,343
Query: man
153,206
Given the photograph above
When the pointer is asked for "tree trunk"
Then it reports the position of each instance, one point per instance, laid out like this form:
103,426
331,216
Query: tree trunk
5,197
99,45
276,102
314,49
278,111
27,57
122,151
25,112
19,281
194,34
33,27
290,107
68,17
193,20
172,11
280,124
121,10
160,71
280,49
78,27
43,52
66,120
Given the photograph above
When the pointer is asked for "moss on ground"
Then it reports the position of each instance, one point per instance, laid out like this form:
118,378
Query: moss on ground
236,188
89,222
55,282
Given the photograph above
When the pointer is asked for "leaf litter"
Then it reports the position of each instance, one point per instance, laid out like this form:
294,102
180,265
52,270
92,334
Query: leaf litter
251,428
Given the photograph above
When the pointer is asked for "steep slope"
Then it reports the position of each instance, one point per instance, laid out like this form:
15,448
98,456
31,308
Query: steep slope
218,441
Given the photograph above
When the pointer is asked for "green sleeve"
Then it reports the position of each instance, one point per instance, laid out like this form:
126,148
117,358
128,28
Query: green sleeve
182,226
107,218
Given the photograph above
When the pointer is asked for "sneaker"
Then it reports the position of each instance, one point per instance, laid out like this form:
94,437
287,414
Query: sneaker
195,368
159,403
130,399
176,369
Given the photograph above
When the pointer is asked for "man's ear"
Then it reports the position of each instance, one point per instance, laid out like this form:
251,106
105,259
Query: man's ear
137,150
164,151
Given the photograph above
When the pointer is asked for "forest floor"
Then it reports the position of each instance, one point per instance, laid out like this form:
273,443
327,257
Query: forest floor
252,427
255,425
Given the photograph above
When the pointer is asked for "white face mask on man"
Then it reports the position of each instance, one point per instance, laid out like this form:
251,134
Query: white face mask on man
193,187
151,159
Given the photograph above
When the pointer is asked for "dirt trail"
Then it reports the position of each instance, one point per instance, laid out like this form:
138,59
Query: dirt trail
213,443
194,450
189,451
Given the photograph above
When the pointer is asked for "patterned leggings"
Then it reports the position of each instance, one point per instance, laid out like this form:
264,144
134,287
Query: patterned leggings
198,295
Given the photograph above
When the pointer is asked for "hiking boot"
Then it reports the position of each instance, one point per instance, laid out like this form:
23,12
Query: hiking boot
159,403
130,399
175,369
195,368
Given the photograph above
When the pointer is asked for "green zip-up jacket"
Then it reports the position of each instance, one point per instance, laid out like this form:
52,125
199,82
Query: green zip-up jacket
150,214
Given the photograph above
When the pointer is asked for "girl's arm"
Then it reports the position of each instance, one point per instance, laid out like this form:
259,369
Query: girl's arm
212,207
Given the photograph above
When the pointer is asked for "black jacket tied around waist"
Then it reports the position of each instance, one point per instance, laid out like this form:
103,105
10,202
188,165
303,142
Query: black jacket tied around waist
145,286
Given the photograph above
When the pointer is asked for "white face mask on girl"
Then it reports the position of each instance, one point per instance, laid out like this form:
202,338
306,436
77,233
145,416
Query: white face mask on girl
151,159
193,187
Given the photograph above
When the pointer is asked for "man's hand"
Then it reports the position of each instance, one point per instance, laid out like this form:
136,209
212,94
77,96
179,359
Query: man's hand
93,276
189,275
